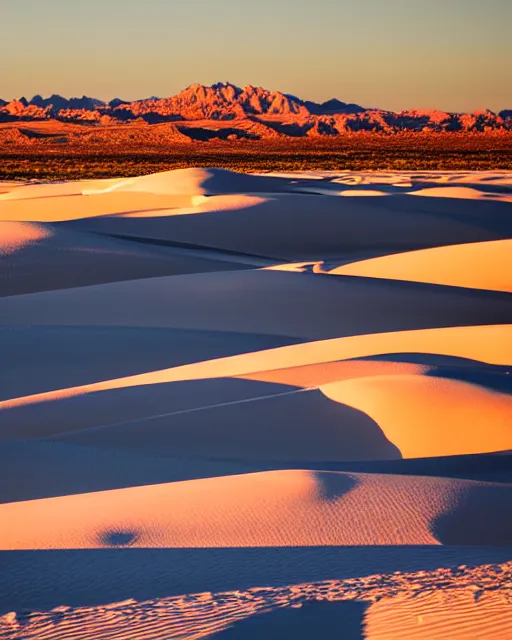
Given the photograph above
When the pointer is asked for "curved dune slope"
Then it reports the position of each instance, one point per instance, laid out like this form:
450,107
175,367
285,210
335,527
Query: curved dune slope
196,181
54,207
428,416
490,344
482,265
369,407
276,225
279,225
282,508
306,306
82,355
318,374
220,419
16,191
461,193
203,204
45,257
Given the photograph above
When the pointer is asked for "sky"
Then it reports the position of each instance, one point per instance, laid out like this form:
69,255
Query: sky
453,55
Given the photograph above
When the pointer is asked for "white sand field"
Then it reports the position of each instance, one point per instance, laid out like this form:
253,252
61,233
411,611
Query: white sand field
249,406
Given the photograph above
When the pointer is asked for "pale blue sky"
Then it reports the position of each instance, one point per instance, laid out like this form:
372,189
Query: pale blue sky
447,54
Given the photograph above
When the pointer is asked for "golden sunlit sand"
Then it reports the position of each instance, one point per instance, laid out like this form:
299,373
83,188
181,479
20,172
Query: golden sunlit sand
19,235
245,405
481,265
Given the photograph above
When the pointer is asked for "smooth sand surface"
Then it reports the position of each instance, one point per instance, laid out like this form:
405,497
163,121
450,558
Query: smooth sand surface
57,207
466,193
279,225
251,406
483,265
75,258
426,404
305,306
490,344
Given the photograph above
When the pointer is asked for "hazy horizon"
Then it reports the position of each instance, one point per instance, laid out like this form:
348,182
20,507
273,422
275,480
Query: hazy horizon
395,55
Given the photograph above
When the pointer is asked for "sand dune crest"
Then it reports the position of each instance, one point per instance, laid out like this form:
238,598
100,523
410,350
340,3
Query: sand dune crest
483,265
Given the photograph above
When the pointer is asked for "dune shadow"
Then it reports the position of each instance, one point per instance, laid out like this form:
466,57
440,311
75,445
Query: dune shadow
437,360
493,380
84,260
224,181
325,620
85,354
47,469
42,580
481,516
279,423
488,216
489,467
332,487
227,133
303,305
491,376
341,225
118,538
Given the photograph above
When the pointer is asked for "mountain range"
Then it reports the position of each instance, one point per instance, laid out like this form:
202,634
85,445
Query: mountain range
224,110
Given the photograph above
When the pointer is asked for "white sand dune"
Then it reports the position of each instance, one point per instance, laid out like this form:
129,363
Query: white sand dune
428,416
76,258
438,597
303,610
481,265
242,221
280,508
279,225
306,306
489,344
71,466
104,578
49,206
203,204
24,191
84,355
196,181
462,193
203,405
226,398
